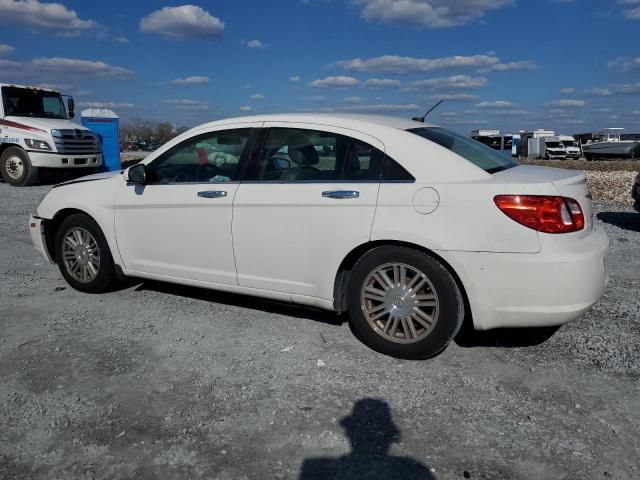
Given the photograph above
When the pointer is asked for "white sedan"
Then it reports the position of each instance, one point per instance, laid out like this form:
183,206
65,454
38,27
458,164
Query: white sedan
408,227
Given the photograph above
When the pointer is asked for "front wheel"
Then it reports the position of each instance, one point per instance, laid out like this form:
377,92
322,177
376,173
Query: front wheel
83,255
404,303
16,167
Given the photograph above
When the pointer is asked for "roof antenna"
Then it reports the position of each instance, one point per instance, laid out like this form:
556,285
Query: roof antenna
421,119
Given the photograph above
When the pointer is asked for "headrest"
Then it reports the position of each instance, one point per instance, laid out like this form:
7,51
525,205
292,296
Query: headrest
301,151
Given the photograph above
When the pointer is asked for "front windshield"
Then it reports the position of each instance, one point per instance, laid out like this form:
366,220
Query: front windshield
553,144
24,102
569,143
475,152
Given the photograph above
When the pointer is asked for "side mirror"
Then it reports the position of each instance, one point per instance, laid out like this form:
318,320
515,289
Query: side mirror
137,174
71,105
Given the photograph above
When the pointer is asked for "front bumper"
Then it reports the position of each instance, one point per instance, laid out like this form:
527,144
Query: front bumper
36,229
57,160
549,288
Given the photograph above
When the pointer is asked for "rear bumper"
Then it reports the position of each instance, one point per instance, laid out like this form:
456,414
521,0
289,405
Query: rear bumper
36,229
55,160
549,288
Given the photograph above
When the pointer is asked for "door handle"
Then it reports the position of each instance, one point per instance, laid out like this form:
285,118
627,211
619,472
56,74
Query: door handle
341,194
213,194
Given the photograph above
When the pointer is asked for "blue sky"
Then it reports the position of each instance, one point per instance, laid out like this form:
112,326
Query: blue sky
569,65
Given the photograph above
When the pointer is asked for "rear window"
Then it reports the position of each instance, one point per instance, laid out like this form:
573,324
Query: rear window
480,155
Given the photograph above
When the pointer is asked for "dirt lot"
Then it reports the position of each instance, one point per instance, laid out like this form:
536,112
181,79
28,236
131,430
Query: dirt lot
157,381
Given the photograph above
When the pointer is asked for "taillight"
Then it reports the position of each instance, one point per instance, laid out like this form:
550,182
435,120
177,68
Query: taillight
546,214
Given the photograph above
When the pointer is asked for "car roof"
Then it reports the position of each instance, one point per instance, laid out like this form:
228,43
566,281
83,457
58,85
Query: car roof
335,119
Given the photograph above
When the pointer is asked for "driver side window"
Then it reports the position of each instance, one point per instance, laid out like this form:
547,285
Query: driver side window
209,158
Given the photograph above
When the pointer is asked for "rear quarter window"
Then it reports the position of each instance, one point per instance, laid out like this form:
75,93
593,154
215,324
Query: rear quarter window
475,152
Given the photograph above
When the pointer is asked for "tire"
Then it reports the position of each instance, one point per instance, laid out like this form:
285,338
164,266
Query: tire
588,157
16,168
80,269
414,337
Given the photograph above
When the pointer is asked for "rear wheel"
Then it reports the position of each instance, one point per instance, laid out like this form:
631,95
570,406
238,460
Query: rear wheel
404,303
16,167
83,255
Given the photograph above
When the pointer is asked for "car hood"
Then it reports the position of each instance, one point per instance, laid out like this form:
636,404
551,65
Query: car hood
45,124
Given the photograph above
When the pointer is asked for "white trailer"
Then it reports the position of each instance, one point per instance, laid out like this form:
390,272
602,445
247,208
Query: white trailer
36,132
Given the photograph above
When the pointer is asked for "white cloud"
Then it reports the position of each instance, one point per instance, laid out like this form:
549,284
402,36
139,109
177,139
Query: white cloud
186,104
511,66
456,82
6,49
617,89
111,105
183,22
428,13
44,16
395,64
624,64
387,108
315,98
195,80
376,108
121,39
631,13
74,67
602,110
255,44
353,99
378,83
258,96
454,97
565,103
295,78
636,112
568,91
335,82
498,104
245,108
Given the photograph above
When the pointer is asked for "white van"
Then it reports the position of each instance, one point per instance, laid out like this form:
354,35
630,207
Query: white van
554,149
571,147
36,132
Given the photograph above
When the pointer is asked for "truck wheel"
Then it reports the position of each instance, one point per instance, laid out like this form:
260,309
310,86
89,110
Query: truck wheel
404,303
83,255
16,167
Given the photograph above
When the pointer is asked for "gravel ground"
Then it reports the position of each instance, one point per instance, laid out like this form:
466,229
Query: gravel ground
158,381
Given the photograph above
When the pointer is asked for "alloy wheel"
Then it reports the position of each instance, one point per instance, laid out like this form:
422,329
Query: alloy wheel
399,302
81,255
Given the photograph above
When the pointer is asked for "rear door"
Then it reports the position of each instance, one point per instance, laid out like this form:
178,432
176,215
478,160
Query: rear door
308,200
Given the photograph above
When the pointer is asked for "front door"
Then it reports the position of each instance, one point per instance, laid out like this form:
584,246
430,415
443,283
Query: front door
309,199
178,225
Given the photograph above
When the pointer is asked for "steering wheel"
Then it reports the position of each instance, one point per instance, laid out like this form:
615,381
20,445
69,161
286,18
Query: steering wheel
206,172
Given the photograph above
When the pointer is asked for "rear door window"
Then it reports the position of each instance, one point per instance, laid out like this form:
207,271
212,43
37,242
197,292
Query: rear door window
300,155
475,152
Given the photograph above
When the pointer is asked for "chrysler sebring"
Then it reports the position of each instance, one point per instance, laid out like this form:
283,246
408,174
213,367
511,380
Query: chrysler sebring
407,227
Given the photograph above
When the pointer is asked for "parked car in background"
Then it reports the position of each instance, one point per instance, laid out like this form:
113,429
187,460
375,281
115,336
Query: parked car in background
406,226
36,132
572,149
635,193
554,149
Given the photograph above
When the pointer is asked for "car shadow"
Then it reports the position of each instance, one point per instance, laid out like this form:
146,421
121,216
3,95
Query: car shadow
625,220
504,337
371,432
244,301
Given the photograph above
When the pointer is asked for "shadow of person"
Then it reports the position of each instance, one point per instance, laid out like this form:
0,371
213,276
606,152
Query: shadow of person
371,432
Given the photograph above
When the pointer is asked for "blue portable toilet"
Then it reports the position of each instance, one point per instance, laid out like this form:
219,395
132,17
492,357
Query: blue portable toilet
106,124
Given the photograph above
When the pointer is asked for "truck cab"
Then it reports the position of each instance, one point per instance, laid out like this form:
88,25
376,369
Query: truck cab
36,132
554,149
571,147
